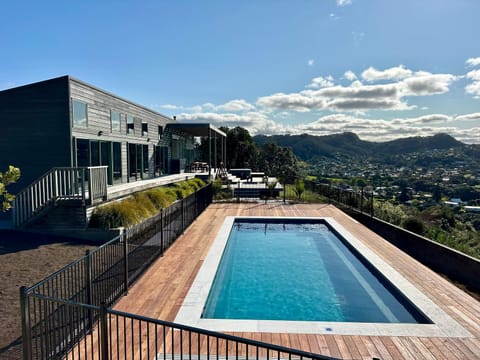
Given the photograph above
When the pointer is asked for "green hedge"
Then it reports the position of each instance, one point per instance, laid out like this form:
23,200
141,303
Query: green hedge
142,205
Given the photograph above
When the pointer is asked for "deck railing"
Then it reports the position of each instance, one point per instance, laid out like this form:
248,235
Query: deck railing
86,184
102,276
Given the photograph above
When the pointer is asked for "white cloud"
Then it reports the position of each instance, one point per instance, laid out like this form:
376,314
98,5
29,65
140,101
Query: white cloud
169,106
254,122
474,75
424,83
343,2
394,73
238,105
310,62
390,89
350,75
371,129
300,102
466,117
321,82
474,87
425,119
323,94
473,61
361,91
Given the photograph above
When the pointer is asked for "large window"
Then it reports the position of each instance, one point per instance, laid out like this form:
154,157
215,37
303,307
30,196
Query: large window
144,129
79,114
115,120
130,125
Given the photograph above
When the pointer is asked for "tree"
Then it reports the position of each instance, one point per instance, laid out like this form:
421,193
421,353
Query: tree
279,162
7,178
242,152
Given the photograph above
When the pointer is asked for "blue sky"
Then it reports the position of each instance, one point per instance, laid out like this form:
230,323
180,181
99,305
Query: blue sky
380,68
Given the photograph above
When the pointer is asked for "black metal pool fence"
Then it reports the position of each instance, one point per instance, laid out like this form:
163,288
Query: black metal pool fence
68,314
102,276
360,200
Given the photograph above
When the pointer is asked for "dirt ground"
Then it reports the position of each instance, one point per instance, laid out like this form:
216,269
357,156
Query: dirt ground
26,258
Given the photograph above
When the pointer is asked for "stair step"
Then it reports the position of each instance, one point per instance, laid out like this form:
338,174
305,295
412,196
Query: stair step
65,214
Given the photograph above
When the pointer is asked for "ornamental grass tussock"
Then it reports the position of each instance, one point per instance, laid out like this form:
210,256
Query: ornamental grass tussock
142,205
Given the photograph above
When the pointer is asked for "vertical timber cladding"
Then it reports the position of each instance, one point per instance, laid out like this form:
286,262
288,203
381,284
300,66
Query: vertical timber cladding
35,130
100,104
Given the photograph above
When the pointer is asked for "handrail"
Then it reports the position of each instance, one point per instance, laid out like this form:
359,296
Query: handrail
86,184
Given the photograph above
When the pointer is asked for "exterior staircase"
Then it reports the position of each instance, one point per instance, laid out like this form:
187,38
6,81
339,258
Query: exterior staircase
63,215
60,198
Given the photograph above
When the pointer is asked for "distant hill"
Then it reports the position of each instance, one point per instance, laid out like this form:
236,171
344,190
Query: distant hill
308,147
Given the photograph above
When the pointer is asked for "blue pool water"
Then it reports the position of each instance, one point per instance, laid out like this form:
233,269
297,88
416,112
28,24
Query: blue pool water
287,270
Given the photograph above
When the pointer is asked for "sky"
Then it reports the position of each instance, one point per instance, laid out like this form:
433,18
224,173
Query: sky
382,69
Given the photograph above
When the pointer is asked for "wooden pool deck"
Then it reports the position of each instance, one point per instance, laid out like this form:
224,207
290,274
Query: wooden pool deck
159,293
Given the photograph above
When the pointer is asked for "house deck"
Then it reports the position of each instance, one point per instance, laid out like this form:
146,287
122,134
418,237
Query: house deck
160,292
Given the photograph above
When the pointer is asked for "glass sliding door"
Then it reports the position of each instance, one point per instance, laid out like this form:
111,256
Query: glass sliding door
132,162
83,153
117,162
94,153
146,162
100,153
139,162
106,159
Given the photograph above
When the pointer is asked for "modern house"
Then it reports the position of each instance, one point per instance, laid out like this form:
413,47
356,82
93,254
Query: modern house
66,123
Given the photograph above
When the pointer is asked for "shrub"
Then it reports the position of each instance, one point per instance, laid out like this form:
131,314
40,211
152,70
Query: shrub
197,183
161,197
414,224
299,188
183,189
124,213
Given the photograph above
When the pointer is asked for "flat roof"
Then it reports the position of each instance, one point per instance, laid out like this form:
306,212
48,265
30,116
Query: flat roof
196,129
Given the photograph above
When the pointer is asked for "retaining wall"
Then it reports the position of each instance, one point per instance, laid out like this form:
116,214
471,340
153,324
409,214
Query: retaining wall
457,266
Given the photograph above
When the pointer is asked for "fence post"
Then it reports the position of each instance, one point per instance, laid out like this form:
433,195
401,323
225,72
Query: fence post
125,257
88,285
26,334
361,200
161,231
238,191
196,202
183,215
371,204
103,331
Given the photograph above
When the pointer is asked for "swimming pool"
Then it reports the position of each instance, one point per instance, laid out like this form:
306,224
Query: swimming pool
437,324
277,269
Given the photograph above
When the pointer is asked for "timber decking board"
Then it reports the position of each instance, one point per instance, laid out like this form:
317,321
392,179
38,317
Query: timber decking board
161,290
